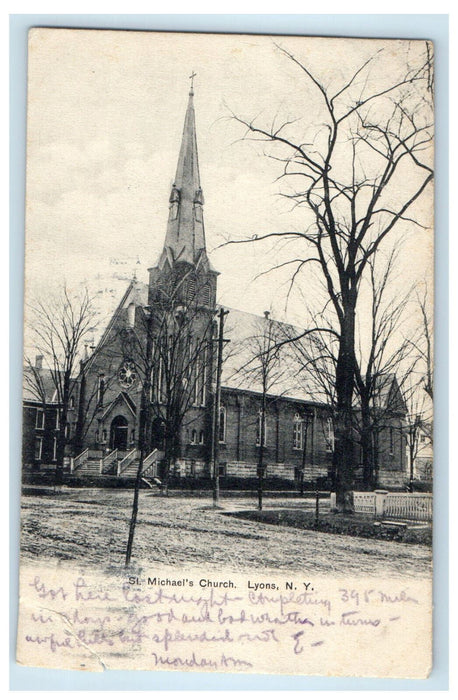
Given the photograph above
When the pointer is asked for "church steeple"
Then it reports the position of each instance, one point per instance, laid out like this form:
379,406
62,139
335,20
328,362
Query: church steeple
185,238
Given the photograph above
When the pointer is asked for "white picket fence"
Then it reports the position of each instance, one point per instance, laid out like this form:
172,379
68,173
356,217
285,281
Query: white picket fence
406,506
409,506
364,502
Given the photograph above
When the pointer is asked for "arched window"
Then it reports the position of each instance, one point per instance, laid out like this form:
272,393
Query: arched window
101,389
222,425
298,431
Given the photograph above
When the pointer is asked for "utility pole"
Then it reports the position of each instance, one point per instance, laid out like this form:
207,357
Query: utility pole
216,405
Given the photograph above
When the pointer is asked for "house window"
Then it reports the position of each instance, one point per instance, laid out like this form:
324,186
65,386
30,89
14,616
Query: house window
329,435
40,419
54,449
193,437
97,436
423,438
132,437
38,447
57,420
222,425
104,436
391,441
67,431
259,430
201,437
222,469
71,403
297,432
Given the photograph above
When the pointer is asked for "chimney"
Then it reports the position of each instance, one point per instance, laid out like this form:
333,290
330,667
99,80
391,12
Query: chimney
39,361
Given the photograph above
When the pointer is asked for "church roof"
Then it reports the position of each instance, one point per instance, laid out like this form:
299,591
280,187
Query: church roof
247,333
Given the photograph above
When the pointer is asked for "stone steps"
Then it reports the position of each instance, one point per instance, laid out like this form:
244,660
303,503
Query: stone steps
91,467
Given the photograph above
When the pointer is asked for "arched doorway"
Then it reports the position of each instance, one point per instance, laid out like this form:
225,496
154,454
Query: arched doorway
118,433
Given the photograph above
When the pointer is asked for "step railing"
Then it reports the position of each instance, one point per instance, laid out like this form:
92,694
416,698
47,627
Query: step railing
127,461
108,461
79,461
150,463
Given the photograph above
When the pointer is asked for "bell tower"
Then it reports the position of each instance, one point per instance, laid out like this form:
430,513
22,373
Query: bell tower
184,254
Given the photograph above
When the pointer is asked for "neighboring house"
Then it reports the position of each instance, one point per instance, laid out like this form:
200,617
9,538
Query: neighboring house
41,418
298,432
423,461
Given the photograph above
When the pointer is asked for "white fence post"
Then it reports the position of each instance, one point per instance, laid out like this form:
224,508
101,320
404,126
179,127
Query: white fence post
380,498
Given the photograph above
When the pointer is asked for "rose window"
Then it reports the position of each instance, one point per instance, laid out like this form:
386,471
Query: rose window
127,374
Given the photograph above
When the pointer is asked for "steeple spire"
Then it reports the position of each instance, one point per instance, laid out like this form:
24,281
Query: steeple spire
185,237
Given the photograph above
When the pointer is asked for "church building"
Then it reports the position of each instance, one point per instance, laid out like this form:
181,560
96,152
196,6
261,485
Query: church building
192,388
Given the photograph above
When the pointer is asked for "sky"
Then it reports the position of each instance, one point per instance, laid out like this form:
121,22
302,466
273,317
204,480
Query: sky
105,117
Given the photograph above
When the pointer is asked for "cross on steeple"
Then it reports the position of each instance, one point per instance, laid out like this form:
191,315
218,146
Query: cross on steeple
191,77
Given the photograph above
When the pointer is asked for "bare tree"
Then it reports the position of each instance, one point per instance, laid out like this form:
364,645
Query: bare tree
358,172
383,354
263,368
172,348
60,325
424,346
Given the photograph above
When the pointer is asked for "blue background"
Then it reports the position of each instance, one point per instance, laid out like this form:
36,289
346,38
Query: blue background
433,27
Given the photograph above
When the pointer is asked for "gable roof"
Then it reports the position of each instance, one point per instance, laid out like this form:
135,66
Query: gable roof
38,385
122,396
137,294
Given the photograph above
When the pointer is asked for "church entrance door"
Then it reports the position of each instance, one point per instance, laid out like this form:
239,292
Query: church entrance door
118,433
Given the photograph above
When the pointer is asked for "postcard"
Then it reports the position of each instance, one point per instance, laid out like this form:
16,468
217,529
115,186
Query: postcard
228,354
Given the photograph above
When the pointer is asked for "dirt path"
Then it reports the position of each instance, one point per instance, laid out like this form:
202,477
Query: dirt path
90,526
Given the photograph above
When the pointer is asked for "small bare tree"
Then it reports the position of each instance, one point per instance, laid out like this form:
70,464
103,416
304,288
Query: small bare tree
383,353
60,326
172,348
263,369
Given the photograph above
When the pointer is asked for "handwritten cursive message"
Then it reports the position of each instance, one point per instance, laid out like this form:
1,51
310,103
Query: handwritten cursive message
231,622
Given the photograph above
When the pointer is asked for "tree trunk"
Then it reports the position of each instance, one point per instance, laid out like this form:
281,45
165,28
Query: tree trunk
168,460
343,461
